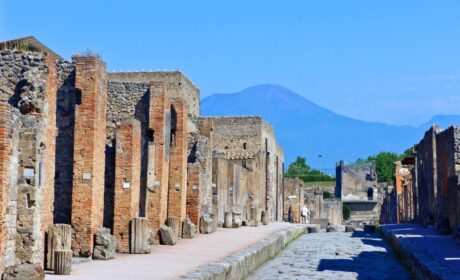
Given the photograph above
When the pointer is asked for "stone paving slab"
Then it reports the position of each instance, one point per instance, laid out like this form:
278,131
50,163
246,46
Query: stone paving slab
335,255
169,262
428,254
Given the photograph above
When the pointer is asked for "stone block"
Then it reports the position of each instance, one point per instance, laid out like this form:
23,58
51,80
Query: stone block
24,272
168,236
173,223
228,220
207,224
332,228
62,262
237,220
188,229
350,228
264,217
59,238
105,245
254,221
313,228
139,236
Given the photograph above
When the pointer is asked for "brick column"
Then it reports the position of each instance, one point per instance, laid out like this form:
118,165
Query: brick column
193,200
178,163
5,153
127,180
50,144
89,159
159,126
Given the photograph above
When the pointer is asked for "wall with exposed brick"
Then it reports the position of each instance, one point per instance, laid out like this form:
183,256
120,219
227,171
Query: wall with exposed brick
67,98
89,148
293,199
127,180
178,163
27,137
159,124
193,198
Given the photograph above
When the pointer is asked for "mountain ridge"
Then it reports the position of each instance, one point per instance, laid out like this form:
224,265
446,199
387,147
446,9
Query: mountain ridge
304,128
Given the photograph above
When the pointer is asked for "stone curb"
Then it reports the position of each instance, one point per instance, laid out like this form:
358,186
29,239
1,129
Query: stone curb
418,261
240,264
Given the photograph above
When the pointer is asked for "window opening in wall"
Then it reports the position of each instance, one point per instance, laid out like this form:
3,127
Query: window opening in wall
244,146
30,201
151,135
173,126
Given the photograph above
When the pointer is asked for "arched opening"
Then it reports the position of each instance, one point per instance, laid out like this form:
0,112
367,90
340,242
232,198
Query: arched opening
173,126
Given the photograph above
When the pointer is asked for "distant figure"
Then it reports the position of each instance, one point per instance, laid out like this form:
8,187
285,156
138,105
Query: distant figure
304,213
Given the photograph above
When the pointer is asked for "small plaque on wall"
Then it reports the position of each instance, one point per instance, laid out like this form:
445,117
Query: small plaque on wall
126,185
29,172
86,176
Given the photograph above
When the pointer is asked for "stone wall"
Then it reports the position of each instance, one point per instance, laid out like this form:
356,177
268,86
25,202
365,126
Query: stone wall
426,166
67,98
27,138
448,172
332,210
293,199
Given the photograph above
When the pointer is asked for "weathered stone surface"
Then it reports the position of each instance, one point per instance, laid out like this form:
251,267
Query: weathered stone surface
236,220
62,262
140,235
253,217
173,223
59,238
264,217
332,228
240,264
168,236
207,224
313,228
349,228
24,272
228,220
105,245
188,229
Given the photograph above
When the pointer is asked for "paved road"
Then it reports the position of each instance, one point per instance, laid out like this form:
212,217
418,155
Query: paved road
336,255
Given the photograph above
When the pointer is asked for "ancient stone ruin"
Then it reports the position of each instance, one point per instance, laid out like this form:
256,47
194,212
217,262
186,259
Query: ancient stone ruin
97,163
425,188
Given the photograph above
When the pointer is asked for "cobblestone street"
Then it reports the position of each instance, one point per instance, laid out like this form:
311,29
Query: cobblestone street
337,255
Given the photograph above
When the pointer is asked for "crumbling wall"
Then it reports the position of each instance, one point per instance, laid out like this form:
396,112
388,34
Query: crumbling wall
448,171
356,181
27,139
293,199
67,98
125,100
332,210
426,165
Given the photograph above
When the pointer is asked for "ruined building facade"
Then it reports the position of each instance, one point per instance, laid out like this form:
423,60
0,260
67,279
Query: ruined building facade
91,149
426,189
357,187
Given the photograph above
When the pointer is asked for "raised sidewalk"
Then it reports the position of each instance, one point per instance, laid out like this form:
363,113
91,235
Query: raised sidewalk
428,254
189,255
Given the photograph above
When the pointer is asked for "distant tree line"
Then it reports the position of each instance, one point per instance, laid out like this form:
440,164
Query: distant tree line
384,163
299,168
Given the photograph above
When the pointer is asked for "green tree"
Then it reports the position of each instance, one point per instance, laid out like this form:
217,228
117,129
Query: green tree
384,165
298,168
346,212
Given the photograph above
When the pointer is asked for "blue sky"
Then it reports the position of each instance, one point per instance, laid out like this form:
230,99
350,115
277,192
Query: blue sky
390,61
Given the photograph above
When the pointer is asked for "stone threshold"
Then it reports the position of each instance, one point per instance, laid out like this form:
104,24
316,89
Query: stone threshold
418,261
242,263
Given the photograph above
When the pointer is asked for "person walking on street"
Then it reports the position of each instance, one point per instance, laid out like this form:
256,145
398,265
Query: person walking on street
304,213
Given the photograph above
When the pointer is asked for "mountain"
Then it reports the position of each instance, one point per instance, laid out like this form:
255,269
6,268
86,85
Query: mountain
304,128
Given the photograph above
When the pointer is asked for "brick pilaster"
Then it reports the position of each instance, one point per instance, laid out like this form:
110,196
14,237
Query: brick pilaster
127,180
193,200
89,159
5,153
178,163
159,125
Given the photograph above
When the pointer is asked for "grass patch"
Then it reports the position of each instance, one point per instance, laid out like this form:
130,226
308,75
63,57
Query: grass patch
320,184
